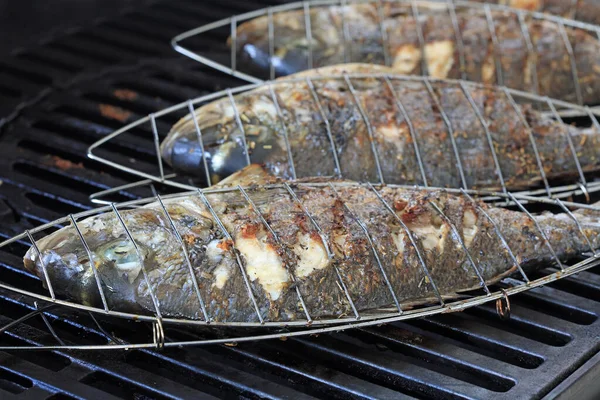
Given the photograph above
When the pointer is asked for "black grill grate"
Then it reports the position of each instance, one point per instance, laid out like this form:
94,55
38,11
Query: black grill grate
124,69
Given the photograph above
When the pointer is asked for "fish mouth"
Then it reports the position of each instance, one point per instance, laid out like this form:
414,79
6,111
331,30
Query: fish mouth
67,275
29,261
45,246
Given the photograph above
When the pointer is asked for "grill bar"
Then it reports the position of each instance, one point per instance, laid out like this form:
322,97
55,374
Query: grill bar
472,343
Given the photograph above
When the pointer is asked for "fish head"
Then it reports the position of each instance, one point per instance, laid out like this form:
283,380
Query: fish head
112,262
231,136
221,154
298,40
287,51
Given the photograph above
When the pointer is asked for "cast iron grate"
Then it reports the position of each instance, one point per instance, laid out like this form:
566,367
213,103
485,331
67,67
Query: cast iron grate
553,330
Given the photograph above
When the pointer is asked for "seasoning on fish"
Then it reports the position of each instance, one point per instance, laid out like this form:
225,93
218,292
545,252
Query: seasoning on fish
581,10
285,128
293,267
388,33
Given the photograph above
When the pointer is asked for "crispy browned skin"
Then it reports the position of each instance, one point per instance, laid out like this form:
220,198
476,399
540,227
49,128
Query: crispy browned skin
300,251
582,10
353,33
394,143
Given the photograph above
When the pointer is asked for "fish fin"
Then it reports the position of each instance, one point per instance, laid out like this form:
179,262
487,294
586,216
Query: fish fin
590,215
589,219
339,69
322,179
253,174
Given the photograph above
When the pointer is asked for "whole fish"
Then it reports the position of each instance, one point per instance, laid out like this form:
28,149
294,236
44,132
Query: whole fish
529,54
314,258
300,128
581,10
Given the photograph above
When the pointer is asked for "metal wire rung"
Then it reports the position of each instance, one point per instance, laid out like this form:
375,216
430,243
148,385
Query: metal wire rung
572,61
91,261
412,242
411,129
238,120
271,35
523,120
308,30
345,33
200,141
539,228
570,140
459,239
187,259
458,37
448,124
488,135
501,236
284,129
141,259
385,42
365,230
367,122
572,216
157,147
42,264
531,53
334,151
325,242
48,325
233,36
420,37
237,256
281,246
495,44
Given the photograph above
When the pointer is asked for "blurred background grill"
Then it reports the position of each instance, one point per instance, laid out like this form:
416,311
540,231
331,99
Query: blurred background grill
69,89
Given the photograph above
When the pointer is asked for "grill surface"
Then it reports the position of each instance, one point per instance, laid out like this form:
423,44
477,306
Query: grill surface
123,70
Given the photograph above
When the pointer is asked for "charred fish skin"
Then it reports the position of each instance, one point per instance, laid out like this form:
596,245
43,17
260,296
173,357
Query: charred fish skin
582,10
386,128
353,33
298,256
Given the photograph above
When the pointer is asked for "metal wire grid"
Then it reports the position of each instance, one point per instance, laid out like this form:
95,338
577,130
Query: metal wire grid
451,8
582,186
308,325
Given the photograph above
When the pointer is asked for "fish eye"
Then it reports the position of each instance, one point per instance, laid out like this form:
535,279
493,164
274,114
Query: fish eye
120,252
125,258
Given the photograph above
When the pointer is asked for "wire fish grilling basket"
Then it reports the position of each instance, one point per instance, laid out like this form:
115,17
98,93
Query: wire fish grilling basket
156,126
384,51
112,326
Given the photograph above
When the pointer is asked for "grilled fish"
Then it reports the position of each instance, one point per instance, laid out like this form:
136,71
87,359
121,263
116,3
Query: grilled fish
329,265
353,33
286,129
581,10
